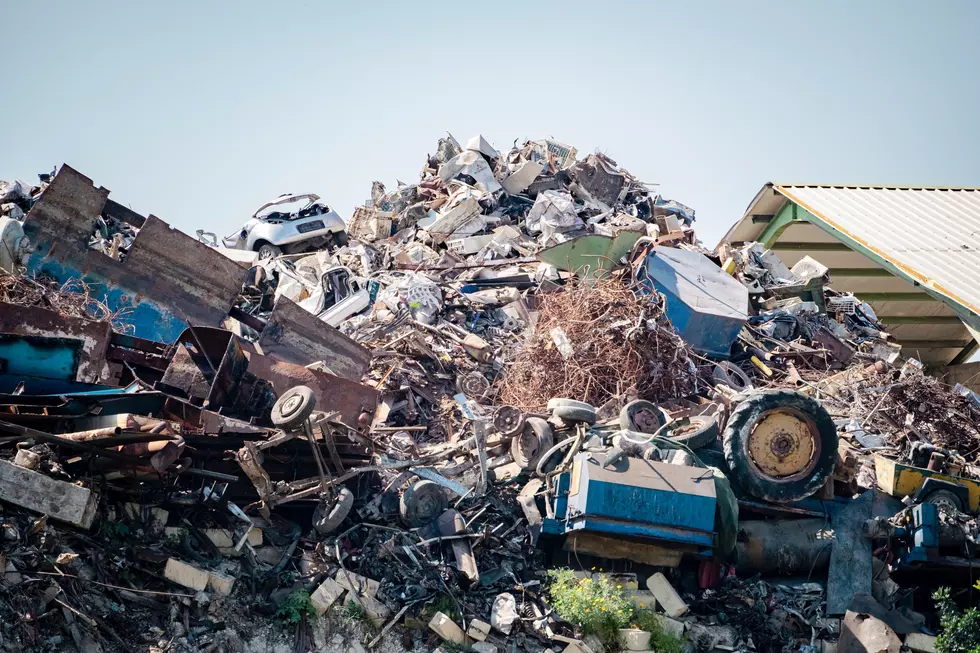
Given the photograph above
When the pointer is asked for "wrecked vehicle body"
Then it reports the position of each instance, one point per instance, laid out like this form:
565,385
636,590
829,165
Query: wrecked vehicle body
290,224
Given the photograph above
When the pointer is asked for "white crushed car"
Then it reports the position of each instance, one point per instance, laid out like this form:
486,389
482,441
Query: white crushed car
290,224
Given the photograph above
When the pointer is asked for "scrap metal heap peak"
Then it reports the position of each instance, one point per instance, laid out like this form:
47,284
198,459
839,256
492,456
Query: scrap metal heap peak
514,405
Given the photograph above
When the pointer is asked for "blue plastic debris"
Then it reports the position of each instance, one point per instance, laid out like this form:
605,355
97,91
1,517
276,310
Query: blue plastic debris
705,305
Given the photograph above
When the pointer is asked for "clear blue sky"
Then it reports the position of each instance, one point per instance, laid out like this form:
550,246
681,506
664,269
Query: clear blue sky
198,112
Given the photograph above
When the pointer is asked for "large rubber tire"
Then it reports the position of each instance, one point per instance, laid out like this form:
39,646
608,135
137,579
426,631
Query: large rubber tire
293,408
730,374
641,416
821,438
326,522
527,446
575,414
340,238
555,403
422,502
694,432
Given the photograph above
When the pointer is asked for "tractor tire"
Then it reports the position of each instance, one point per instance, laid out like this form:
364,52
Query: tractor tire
293,408
527,446
780,445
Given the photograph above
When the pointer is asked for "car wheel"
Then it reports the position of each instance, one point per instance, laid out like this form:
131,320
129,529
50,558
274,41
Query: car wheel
533,440
729,374
555,403
326,522
641,416
945,501
422,502
575,414
268,251
293,408
340,238
694,432
780,445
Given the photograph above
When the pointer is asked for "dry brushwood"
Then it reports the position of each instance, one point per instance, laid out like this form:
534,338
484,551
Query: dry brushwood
621,342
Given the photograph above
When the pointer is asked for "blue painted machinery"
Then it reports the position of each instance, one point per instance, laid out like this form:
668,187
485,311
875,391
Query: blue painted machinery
672,506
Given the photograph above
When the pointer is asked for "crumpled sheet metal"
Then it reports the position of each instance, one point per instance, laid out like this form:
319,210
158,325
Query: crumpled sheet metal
167,280
295,335
80,344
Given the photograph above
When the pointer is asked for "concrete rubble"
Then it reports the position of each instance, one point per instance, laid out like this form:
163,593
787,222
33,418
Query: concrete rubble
522,364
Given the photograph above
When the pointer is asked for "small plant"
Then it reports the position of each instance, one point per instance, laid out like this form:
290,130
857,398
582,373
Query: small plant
599,607
296,607
444,604
355,612
960,628
660,640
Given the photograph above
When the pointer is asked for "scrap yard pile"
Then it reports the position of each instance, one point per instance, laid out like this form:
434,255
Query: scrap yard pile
515,406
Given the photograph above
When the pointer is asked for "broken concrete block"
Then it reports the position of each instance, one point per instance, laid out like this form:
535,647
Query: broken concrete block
478,630
57,499
862,633
221,584
645,599
921,643
27,459
446,628
666,596
506,472
483,647
186,575
376,611
328,593
672,626
224,538
572,645
357,583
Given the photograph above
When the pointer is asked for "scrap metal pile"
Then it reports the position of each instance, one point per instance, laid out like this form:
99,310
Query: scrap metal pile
521,362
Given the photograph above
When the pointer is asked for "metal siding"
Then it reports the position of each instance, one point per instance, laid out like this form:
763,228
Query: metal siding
933,235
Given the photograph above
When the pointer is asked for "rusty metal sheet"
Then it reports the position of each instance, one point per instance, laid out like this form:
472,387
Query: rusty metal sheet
333,393
295,335
167,280
84,343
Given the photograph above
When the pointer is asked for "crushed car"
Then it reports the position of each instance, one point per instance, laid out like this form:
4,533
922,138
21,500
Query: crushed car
289,224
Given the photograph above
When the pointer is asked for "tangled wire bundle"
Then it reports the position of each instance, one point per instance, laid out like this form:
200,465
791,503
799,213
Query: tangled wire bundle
72,298
621,343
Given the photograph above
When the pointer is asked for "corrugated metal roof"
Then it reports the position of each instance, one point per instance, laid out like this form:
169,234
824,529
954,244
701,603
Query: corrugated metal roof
925,237
931,234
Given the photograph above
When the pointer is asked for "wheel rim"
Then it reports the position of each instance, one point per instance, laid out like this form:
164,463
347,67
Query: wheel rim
528,444
645,420
291,406
508,420
784,445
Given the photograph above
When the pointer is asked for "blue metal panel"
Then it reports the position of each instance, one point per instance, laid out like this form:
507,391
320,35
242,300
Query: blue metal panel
46,358
147,318
706,306
624,502
641,529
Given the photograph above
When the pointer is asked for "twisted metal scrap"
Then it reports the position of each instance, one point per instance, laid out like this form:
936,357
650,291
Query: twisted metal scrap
621,341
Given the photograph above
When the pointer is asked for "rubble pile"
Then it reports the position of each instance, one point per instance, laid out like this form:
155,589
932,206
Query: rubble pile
392,432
